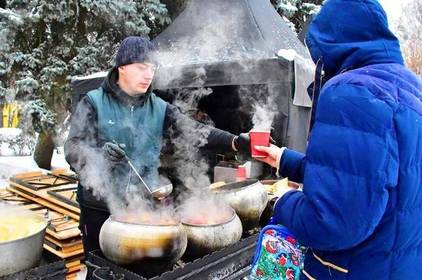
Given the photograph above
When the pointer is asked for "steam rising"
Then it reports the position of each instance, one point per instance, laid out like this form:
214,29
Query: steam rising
187,138
204,205
134,198
265,112
202,46
12,210
263,101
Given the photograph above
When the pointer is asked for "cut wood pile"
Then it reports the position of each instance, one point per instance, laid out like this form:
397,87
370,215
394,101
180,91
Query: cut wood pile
52,195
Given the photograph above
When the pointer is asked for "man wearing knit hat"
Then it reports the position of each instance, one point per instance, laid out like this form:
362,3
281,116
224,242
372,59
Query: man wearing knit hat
124,119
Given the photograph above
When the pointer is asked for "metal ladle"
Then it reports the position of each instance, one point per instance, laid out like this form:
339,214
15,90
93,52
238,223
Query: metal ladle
159,193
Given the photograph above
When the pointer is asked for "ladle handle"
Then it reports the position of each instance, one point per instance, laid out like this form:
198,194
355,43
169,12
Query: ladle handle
137,174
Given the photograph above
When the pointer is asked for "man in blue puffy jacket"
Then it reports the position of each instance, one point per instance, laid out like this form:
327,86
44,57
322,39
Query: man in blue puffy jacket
361,206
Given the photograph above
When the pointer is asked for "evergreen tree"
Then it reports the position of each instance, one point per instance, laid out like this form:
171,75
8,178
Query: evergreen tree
45,42
296,12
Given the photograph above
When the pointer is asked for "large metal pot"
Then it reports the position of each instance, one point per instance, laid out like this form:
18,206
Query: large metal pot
206,238
248,198
23,253
159,245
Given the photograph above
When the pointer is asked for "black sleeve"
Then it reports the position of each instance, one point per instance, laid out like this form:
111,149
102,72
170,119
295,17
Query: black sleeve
176,122
83,136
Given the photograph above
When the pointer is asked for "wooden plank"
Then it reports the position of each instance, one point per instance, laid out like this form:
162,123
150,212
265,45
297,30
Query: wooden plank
43,202
69,243
63,235
61,254
63,226
62,223
73,269
75,258
62,250
26,175
60,171
43,182
72,233
73,263
13,197
50,181
58,221
72,276
34,207
66,195
67,250
5,193
19,201
44,195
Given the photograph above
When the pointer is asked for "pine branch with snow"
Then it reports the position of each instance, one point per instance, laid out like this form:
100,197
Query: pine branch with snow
45,42
296,12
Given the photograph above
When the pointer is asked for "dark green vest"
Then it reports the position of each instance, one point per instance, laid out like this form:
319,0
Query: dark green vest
140,128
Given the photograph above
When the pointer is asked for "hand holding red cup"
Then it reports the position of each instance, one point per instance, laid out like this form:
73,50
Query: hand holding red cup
259,138
274,154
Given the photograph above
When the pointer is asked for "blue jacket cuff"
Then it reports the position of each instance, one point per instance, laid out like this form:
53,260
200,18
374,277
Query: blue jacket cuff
292,165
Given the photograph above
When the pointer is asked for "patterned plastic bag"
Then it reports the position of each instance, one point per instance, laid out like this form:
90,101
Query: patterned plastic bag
278,255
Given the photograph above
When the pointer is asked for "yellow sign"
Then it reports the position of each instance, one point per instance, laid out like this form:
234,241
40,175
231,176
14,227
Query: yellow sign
10,115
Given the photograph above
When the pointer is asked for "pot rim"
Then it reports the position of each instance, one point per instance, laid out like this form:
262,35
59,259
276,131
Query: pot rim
233,216
248,183
27,237
291,184
260,130
177,223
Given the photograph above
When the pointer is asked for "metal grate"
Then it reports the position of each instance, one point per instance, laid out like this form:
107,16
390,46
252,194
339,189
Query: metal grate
232,261
51,268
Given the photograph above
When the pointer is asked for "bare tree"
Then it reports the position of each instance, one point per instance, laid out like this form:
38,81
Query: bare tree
409,28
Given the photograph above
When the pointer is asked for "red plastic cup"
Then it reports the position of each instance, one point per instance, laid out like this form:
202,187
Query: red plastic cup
240,173
259,138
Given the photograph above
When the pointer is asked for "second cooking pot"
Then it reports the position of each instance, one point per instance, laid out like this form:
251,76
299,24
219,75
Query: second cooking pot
248,198
206,237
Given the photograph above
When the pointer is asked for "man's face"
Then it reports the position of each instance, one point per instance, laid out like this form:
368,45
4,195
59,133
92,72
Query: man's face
136,77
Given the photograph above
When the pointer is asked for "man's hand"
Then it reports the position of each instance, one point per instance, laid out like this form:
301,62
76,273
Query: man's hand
114,151
242,144
274,154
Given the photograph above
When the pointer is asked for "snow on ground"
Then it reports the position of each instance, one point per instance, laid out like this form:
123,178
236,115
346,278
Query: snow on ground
14,142
10,165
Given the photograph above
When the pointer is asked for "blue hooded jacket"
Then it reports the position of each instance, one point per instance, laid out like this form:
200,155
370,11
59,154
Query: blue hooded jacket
360,212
